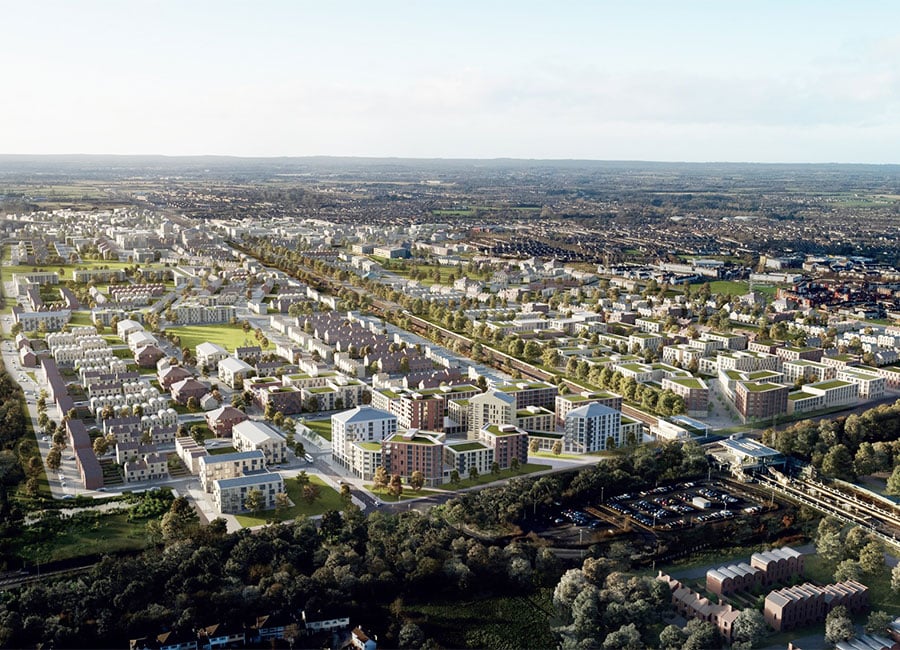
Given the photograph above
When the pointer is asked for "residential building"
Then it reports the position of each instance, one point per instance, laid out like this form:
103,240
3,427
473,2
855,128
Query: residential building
209,354
232,372
212,468
405,452
151,467
760,400
221,420
592,427
185,389
252,435
508,442
462,455
362,424
535,393
805,604
535,418
565,403
230,494
492,407
694,391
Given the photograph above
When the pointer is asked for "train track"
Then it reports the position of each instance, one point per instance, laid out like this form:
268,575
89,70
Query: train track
883,524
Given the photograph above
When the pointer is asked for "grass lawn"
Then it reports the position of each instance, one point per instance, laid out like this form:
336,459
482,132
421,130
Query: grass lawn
527,468
820,570
321,427
227,335
80,318
216,451
328,500
408,493
550,454
486,622
107,533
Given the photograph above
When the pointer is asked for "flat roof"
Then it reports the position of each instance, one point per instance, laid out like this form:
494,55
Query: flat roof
249,479
749,447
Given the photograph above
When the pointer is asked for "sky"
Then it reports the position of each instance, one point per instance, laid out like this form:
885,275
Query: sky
685,80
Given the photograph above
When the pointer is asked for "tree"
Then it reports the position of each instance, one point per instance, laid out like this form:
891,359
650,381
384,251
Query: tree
847,570
895,579
193,404
828,540
556,450
282,502
534,445
416,480
514,464
254,500
101,446
54,458
411,636
750,626
346,496
893,482
495,468
671,638
454,477
197,434
180,521
627,637
838,625
838,463
878,622
311,493
380,478
701,635
395,487
871,558
473,472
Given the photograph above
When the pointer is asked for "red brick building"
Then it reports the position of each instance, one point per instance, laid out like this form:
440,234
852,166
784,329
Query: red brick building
413,451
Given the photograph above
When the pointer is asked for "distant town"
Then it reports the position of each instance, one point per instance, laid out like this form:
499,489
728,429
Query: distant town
572,375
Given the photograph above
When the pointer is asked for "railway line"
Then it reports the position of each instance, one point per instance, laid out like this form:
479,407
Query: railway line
880,522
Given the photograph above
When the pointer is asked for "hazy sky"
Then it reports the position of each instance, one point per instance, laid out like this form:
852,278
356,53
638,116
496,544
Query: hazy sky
671,80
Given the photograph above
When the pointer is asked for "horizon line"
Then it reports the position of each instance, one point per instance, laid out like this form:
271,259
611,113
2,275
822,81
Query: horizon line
437,158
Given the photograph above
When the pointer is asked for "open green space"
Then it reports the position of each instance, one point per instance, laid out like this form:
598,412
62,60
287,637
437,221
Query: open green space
484,479
488,622
550,454
329,499
227,335
321,427
99,532
80,318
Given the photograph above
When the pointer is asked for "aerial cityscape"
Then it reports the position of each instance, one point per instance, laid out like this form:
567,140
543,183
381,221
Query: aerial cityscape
319,330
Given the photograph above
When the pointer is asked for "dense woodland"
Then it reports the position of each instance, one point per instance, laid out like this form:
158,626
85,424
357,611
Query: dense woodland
350,563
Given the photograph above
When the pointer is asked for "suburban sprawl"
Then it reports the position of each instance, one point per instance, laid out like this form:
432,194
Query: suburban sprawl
344,403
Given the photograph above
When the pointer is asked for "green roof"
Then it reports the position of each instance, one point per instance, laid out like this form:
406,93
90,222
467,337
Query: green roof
467,446
369,446
834,383
761,388
495,429
800,395
689,382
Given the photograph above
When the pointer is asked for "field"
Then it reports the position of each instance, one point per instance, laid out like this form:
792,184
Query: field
321,427
328,500
106,533
487,622
739,288
227,335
